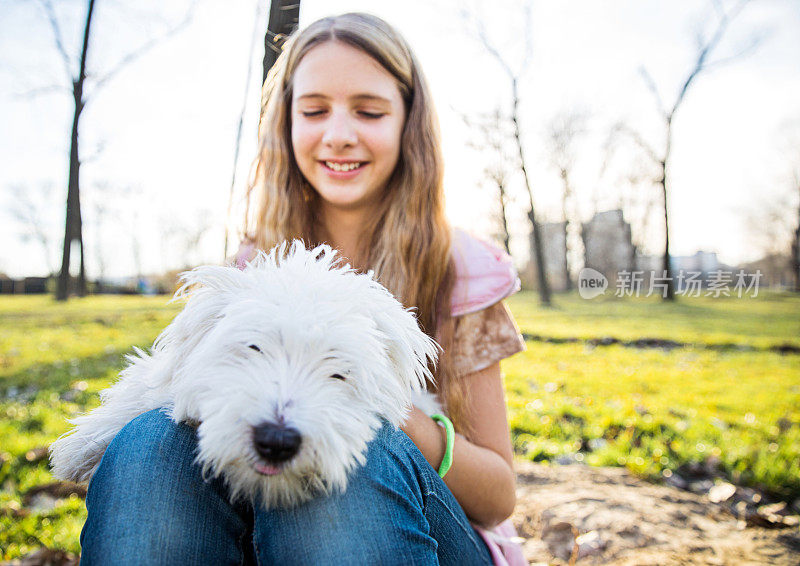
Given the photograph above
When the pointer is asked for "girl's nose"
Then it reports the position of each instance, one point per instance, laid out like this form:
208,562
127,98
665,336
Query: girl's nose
339,132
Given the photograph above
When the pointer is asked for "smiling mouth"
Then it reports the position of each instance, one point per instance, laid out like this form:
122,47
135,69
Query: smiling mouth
343,167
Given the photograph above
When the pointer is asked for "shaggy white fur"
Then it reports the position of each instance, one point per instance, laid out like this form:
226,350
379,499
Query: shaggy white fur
288,365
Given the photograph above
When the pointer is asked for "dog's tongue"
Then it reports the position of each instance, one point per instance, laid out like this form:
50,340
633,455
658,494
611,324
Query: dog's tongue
267,470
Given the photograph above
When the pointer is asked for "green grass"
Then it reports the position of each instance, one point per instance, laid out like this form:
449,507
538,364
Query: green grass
649,410
653,410
767,320
54,358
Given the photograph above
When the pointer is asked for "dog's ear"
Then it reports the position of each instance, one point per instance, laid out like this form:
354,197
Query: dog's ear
207,290
412,353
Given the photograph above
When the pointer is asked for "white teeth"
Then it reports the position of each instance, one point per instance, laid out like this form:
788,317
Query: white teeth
343,166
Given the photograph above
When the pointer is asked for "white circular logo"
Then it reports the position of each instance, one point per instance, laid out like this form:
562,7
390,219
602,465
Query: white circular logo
591,283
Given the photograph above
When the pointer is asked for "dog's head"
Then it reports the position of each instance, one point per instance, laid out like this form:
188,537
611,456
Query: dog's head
291,365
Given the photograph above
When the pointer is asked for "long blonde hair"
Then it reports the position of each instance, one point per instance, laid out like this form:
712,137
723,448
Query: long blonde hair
407,244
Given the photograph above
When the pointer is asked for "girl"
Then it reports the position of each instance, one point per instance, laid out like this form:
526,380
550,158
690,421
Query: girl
349,155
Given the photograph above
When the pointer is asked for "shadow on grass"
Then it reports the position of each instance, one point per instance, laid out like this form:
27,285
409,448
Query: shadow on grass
59,375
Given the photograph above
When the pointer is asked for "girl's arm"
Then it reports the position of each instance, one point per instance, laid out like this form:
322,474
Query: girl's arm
481,477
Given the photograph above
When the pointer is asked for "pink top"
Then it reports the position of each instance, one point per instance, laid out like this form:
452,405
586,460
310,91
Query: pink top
485,274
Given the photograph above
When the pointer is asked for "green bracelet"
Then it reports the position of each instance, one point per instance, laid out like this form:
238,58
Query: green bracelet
447,460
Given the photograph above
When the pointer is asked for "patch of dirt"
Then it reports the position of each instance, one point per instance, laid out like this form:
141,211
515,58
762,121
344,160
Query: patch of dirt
56,490
608,516
46,557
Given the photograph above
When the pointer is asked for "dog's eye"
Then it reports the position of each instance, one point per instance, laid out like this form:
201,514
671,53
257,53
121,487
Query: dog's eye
338,376
254,347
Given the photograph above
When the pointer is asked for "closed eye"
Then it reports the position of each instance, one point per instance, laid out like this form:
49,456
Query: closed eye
371,115
254,347
338,376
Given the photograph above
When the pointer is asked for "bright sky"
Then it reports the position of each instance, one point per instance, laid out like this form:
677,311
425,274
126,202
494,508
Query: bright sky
159,138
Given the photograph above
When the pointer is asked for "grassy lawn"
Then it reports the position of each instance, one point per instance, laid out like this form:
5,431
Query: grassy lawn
767,320
653,410
648,409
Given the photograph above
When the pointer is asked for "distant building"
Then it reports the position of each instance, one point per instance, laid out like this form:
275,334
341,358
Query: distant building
24,286
607,244
6,284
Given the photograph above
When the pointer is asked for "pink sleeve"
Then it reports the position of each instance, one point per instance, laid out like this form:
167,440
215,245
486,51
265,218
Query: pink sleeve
484,274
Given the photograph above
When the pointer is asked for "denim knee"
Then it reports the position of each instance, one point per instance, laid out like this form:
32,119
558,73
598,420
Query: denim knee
396,510
379,519
148,502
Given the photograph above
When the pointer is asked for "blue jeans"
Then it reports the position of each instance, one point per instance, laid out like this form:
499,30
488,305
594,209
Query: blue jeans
149,504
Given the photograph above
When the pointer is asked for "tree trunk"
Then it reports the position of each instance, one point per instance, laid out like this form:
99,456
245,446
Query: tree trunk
795,263
284,17
537,255
666,261
73,225
78,222
565,209
503,218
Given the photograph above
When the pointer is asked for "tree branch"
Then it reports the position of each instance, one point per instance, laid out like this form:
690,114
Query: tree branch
748,49
40,91
651,85
144,48
481,33
639,140
51,17
706,49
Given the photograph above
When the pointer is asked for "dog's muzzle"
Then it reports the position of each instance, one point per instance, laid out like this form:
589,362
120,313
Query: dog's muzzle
276,443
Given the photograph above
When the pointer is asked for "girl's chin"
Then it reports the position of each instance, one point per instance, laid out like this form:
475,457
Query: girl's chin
347,201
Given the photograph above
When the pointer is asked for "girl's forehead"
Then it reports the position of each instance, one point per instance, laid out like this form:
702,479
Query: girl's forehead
335,69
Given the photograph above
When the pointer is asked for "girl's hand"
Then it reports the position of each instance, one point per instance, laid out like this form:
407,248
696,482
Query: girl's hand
427,435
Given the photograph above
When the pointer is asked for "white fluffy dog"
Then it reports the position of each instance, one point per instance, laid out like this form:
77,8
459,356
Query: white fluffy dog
289,367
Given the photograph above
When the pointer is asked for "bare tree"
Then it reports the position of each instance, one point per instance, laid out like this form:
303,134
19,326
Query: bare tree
28,207
795,247
492,142
73,229
563,134
498,175
772,223
514,76
108,205
186,235
661,156
102,213
791,142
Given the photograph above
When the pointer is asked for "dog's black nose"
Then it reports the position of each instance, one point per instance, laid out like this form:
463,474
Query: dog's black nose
276,443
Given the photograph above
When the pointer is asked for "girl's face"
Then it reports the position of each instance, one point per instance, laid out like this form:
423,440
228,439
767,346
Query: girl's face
347,119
